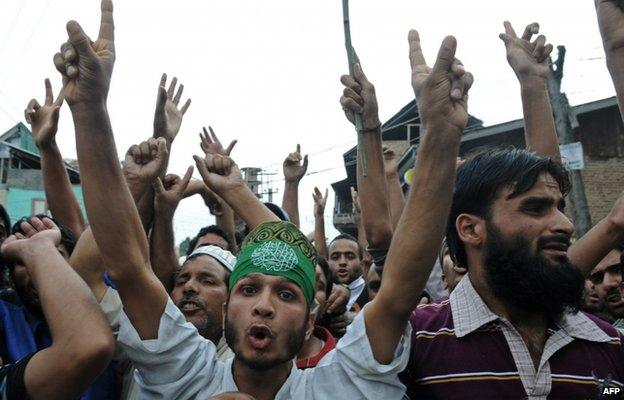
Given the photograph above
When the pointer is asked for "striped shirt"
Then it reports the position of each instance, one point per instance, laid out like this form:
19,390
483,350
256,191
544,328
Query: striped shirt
462,350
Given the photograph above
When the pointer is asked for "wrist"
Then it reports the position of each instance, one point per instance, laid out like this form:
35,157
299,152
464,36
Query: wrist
47,146
37,249
292,182
532,82
392,174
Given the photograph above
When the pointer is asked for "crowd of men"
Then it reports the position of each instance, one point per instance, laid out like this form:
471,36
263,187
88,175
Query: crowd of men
466,287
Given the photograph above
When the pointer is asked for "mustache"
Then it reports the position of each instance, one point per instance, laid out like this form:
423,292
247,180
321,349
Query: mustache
191,299
558,238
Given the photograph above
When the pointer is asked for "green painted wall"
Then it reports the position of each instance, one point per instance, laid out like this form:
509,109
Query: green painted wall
20,201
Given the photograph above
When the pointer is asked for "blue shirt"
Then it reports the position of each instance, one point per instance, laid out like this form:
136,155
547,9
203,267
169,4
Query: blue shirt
23,334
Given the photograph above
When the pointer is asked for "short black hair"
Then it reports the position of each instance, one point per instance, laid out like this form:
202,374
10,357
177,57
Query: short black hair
5,219
480,179
214,229
68,238
329,277
346,236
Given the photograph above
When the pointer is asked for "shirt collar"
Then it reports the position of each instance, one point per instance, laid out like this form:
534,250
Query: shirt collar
468,309
470,312
356,283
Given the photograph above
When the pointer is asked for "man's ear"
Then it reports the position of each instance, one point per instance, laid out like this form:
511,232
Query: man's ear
470,229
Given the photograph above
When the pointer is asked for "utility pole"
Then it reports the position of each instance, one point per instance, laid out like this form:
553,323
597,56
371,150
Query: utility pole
562,114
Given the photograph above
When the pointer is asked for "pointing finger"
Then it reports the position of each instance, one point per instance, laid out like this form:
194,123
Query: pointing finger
48,94
446,55
415,50
107,25
509,30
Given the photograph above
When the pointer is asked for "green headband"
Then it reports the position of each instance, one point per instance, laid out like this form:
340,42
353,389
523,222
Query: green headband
278,248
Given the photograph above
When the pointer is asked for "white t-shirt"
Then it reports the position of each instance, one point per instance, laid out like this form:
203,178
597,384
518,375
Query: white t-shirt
180,364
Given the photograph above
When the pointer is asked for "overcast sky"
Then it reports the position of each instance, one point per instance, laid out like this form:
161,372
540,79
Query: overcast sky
267,72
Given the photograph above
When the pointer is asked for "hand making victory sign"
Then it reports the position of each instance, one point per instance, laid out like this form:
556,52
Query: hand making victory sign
441,101
87,66
44,119
527,59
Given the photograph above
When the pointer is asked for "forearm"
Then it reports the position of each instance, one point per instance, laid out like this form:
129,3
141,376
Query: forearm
145,207
82,343
587,251
539,125
615,65
396,199
115,221
320,241
247,206
421,226
87,262
59,194
60,289
372,190
225,220
117,229
290,202
164,261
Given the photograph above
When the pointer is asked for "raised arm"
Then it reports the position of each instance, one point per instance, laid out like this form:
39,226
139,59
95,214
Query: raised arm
86,67
357,212
396,199
143,163
530,62
294,171
359,96
82,344
168,193
222,176
609,232
611,23
59,194
168,116
320,241
224,216
441,93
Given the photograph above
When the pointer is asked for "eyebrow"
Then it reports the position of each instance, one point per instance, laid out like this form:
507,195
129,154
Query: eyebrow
543,201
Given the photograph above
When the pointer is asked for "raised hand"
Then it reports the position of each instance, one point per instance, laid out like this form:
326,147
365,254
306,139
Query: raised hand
391,162
319,202
527,59
169,191
43,120
87,66
220,173
168,117
294,170
211,144
359,97
146,161
37,232
441,91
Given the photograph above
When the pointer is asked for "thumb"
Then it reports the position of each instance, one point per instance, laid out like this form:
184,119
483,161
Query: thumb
203,170
305,162
80,41
162,148
187,178
446,55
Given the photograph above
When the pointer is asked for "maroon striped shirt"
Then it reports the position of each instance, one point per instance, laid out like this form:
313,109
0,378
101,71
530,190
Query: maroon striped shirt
461,350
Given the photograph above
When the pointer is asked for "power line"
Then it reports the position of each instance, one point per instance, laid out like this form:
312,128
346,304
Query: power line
19,12
21,53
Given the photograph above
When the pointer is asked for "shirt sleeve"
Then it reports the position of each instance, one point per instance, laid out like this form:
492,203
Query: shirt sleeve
178,364
12,384
351,368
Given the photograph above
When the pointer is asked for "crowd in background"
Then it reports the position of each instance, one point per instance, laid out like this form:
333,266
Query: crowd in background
468,286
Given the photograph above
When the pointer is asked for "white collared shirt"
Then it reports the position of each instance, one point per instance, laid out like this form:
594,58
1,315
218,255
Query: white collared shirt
180,364
356,287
